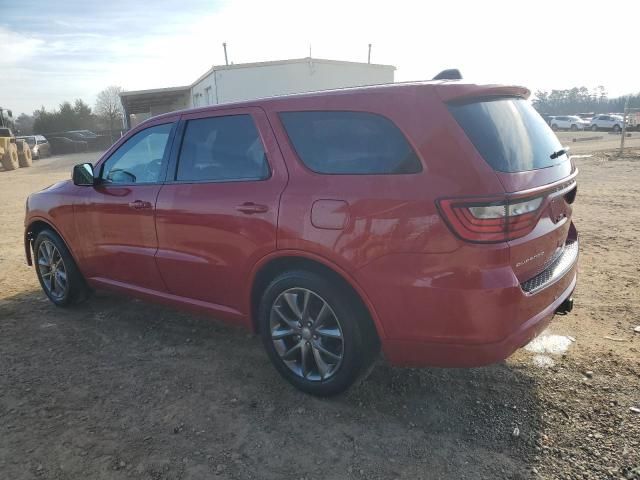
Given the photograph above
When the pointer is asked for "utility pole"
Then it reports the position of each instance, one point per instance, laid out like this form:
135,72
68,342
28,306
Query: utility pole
624,125
1,118
369,55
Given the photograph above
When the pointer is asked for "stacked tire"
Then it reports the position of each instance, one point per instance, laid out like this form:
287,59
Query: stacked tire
10,160
24,154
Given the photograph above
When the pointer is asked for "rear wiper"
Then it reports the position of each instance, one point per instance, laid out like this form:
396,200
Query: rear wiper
560,152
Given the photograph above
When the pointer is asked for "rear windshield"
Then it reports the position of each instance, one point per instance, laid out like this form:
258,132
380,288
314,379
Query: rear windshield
509,134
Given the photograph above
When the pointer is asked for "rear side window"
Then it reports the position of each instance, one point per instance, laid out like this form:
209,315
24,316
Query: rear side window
226,148
360,143
509,134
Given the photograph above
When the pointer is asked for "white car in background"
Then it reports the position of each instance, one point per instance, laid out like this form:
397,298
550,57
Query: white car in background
569,122
607,122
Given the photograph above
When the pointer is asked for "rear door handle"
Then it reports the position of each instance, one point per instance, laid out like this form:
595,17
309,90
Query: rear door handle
250,208
139,204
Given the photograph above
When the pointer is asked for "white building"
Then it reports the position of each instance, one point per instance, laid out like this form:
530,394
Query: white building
247,81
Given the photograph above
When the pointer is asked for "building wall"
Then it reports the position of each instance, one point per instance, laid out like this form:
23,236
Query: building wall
203,93
238,83
178,104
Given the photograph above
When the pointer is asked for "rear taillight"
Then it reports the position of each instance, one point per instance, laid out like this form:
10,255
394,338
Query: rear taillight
490,220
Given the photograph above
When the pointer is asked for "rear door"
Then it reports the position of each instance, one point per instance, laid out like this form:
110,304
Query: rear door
532,166
217,213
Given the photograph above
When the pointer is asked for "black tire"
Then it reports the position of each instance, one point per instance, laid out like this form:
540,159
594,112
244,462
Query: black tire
359,341
574,128
594,128
554,127
76,289
616,128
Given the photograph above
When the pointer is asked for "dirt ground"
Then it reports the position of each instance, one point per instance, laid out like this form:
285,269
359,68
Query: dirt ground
116,388
603,141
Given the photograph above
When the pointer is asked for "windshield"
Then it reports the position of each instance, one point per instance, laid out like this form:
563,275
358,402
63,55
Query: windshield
30,140
509,134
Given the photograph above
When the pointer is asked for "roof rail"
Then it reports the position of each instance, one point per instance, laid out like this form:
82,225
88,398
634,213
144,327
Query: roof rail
449,74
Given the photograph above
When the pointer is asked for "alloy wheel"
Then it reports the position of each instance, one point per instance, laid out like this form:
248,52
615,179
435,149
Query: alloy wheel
306,334
52,270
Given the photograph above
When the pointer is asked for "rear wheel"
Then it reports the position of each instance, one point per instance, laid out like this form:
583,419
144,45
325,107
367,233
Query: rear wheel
616,128
317,336
57,272
574,127
594,128
24,155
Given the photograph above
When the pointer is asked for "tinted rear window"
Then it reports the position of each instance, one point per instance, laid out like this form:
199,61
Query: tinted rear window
359,143
509,134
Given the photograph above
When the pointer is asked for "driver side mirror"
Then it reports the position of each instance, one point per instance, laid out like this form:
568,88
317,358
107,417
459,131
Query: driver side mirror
83,175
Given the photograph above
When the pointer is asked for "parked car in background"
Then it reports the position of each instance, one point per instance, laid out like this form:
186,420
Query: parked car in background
93,141
38,145
586,115
85,133
61,145
607,122
633,121
569,122
332,223
547,118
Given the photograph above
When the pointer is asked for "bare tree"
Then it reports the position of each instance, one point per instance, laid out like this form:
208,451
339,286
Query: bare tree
108,106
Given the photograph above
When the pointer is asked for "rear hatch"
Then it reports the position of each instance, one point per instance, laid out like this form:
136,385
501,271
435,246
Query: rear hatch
533,167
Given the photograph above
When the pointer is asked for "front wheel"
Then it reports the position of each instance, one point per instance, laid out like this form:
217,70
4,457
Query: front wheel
554,127
10,158
574,128
317,336
616,128
57,272
594,128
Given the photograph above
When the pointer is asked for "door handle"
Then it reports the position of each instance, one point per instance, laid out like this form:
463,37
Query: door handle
139,204
250,208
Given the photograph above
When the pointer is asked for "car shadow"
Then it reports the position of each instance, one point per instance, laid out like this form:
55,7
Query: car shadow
118,384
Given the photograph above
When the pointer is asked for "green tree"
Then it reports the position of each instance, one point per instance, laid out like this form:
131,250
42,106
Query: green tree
24,124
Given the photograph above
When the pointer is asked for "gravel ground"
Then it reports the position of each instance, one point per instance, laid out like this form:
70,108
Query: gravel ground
116,388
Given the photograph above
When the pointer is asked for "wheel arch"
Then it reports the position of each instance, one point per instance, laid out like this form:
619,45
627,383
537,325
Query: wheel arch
34,227
273,265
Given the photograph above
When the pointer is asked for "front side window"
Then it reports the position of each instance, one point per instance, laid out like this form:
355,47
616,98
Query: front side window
218,149
343,142
139,159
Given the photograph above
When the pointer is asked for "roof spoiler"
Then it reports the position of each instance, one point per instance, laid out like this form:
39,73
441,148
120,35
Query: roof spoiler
449,74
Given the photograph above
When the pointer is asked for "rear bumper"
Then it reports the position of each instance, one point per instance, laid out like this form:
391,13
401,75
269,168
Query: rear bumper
415,354
457,312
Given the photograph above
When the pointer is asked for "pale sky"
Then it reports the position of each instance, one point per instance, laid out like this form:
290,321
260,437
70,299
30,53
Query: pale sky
51,51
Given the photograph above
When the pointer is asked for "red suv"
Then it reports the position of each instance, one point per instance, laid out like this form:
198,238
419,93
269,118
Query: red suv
432,220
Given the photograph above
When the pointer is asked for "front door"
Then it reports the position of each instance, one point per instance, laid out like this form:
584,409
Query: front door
217,213
116,218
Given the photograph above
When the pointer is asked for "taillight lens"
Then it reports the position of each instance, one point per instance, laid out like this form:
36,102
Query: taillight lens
490,221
